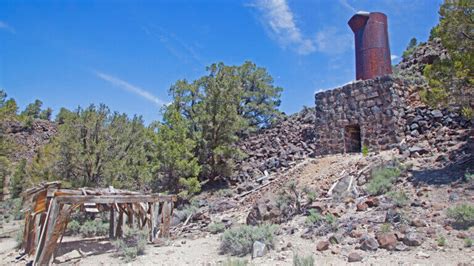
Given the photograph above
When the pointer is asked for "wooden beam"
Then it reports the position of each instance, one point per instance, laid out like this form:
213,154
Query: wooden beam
111,199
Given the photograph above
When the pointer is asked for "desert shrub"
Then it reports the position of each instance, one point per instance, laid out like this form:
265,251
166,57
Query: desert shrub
467,113
365,150
468,177
385,228
313,218
73,227
463,215
311,195
234,262
132,244
467,242
330,219
215,228
399,198
441,241
225,193
12,208
303,261
383,179
94,228
238,241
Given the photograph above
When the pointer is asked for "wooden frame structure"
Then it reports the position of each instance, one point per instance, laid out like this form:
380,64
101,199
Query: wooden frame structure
48,209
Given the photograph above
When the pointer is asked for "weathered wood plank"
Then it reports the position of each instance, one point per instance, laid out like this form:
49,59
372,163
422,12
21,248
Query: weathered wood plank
53,212
110,199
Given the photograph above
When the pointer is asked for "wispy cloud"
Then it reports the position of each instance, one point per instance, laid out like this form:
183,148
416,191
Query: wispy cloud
5,26
394,57
345,4
330,41
173,44
122,84
280,21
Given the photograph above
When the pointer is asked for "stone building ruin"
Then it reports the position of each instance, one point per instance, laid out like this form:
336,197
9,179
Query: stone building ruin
367,112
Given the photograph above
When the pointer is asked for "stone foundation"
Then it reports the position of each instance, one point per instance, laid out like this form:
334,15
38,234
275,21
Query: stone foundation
365,113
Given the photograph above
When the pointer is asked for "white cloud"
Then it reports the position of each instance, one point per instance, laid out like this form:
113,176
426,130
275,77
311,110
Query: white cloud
393,57
330,41
280,21
281,25
5,26
117,82
345,4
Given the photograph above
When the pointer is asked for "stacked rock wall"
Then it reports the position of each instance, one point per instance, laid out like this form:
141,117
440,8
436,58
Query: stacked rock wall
375,107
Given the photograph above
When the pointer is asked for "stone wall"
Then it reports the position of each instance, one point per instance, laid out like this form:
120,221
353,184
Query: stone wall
375,107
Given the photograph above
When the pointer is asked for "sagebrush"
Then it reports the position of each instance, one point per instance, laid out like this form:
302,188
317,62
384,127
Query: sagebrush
239,241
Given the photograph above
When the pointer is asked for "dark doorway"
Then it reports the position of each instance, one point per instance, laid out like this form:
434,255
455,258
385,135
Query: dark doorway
352,138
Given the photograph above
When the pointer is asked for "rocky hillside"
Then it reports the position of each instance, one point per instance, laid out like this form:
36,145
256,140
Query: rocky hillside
278,147
411,67
29,139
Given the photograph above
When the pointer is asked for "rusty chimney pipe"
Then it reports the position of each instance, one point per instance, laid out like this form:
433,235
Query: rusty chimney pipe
371,45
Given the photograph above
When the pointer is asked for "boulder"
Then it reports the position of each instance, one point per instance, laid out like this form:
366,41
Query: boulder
387,240
354,257
412,239
368,243
322,245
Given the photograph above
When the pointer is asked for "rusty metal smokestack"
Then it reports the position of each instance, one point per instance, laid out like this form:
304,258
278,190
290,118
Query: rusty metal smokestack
371,44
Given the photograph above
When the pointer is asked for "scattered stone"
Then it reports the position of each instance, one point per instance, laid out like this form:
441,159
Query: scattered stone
412,239
372,202
387,240
354,257
259,249
422,255
401,247
462,235
322,245
368,243
419,223
362,206
336,239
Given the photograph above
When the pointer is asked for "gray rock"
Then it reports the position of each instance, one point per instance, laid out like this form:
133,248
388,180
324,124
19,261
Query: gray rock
259,249
354,257
436,113
368,243
412,239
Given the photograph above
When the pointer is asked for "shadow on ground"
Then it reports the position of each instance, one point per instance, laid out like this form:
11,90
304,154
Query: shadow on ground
85,246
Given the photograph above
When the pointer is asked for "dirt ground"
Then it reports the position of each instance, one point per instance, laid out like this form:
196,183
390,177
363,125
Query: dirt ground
203,248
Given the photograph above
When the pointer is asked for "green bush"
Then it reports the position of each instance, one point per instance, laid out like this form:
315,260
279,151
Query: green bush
313,218
132,244
441,240
73,227
239,241
12,209
467,242
399,198
382,180
463,215
385,228
94,228
235,262
225,193
215,228
303,261
365,150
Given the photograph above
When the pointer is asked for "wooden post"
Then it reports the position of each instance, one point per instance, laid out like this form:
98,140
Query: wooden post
165,219
130,215
112,222
46,232
119,230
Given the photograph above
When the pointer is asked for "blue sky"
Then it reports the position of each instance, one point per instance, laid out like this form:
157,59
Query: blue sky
126,54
